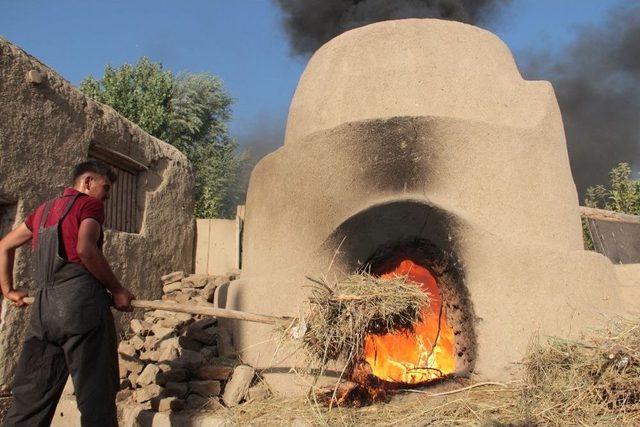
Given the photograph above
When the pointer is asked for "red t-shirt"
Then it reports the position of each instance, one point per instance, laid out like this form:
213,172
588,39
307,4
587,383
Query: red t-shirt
84,207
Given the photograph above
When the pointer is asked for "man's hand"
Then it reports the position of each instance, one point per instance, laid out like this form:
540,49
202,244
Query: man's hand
16,297
122,299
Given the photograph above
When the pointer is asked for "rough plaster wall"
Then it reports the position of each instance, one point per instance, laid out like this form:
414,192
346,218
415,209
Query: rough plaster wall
629,276
414,67
467,167
45,130
436,114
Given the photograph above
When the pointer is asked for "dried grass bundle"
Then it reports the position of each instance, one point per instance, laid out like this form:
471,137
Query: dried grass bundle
342,314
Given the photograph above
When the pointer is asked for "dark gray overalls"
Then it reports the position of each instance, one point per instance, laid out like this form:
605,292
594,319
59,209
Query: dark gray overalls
71,331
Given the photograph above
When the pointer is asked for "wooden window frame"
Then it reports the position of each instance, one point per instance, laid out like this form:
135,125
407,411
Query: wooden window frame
121,209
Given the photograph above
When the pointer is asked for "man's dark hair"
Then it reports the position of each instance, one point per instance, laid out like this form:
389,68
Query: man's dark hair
95,167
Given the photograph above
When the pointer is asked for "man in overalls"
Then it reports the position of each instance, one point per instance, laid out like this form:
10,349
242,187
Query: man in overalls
71,330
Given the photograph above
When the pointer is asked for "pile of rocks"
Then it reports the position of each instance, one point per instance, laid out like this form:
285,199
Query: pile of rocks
174,360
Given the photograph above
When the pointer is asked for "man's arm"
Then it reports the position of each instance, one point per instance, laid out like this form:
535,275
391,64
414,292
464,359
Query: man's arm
94,261
8,246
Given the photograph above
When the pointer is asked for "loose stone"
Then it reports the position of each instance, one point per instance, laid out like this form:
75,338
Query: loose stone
177,389
173,277
148,375
205,388
163,404
236,389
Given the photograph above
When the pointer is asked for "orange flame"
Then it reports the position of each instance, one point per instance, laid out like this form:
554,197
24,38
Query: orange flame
425,354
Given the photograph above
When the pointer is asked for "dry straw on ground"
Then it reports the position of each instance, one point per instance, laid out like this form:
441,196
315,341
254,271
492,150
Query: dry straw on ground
590,382
343,313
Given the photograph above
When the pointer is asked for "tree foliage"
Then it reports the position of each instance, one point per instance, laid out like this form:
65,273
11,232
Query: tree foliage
141,92
199,111
221,186
622,195
189,111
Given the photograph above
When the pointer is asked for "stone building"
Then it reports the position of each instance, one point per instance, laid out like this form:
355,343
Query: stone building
46,127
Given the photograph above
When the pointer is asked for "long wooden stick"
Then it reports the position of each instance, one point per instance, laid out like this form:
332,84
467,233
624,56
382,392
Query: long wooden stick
204,311
212,311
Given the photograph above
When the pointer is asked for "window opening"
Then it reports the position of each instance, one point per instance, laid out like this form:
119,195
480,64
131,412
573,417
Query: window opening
121,209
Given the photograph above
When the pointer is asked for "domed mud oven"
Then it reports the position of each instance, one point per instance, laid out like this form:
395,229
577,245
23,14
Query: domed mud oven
415,147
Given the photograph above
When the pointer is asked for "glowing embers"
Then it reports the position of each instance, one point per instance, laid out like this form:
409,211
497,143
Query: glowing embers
423,355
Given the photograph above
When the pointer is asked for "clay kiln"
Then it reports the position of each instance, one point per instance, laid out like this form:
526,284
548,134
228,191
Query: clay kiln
416,145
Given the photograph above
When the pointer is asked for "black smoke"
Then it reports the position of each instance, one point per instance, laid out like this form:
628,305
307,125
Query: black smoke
264,135
597,82
311,23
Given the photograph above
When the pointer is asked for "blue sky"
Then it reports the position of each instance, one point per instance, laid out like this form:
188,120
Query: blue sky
241,41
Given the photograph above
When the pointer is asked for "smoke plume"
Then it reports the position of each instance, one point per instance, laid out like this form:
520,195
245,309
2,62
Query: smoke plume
597,82
311,23
264,135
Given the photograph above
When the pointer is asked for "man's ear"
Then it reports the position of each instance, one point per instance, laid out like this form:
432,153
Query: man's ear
87,181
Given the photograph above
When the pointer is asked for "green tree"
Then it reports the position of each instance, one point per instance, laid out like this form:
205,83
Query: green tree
189,111
199,111
622,195
141,92
221,186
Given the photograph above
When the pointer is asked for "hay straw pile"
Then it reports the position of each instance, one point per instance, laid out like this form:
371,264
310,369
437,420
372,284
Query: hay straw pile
591,382
342,314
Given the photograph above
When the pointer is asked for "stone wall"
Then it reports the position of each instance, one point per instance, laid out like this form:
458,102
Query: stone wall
46,127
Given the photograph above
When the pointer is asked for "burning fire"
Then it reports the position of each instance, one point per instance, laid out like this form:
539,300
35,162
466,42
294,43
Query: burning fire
423,355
